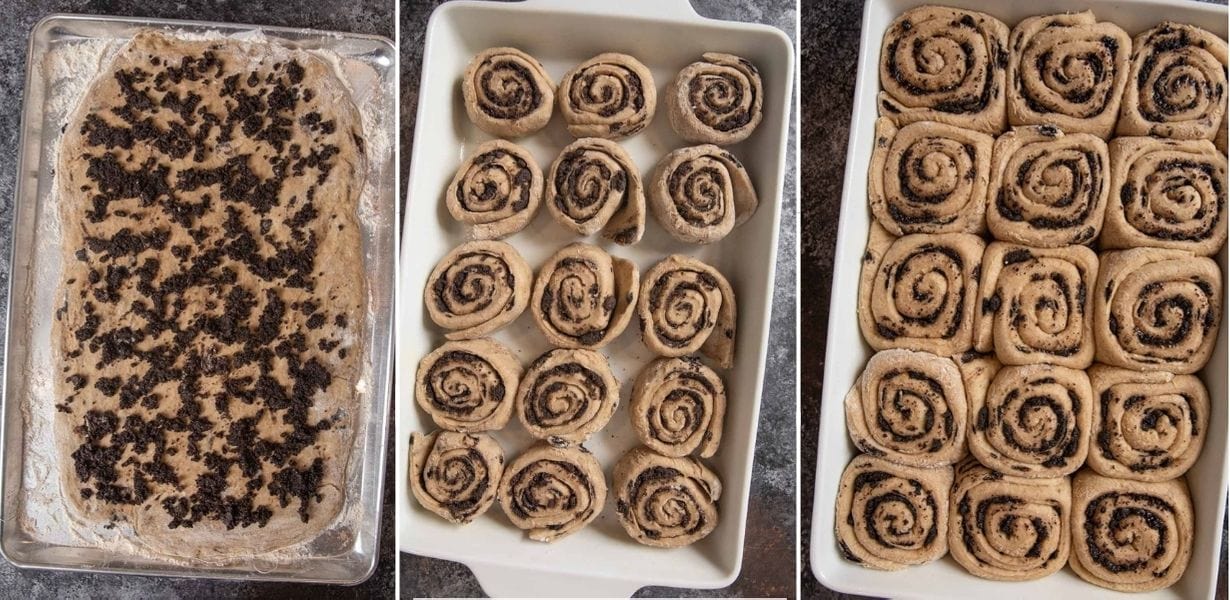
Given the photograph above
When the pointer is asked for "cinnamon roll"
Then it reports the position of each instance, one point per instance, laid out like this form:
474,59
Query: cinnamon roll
583,297
567,395
1130,536
477,288
1009,528
891,516
699,194
609,96
1166,194
1177,84
687,306
1035,305
551,491
918,291
1157,310
455,475
594,185
1068,70
468,386
1147,426
929,177
677,408
507,92
1047,189
909,408
946,65
497,190
1033,421
716,100
663,501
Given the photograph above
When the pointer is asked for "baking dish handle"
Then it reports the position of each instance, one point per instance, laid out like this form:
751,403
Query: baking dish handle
511,582
658,9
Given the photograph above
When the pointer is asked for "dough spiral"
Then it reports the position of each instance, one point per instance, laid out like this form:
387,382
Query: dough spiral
716,100
477,288
687,306
497,190
609,96
507,92
678,406
594,185
666,502
583,297
699,194
566,395
1177,84
468,386
552,492
890,516
455,475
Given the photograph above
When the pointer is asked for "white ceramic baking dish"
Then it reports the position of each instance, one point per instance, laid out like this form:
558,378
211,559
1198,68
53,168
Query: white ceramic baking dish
666,35
846,352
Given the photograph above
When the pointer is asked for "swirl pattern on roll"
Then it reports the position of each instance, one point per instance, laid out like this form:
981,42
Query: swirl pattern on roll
929,177
497,190
699,194
1032,421
716,100
1147,426
552,492
946,65
1048,189
678,406
477,288
1036,305
1068,70
1157,309
1166,194
507,92
687,306
566,395
918,291
594,186
455,475
1177,84
891,516
663,501
909,408
468,386
1009,528
584,297
1130,536
610,96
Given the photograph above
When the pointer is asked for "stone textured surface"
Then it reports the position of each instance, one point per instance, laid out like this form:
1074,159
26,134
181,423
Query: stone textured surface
831,31
360,16
769,551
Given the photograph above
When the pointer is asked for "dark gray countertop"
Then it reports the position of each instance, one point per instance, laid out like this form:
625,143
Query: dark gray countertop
359,16
769,553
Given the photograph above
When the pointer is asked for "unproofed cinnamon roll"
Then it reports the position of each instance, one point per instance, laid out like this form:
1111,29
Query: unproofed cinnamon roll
1033,421
455,475
609,96
1009,528
929,177
716,100
699,194
664,501
891,516
594,186
918,291
497,190
551,491
1157,310
584,297
687,306
1047,189
909,408
677,408
1166,194
1035,305
1147,426
1130,536
1068,70
1177,85
566,395
507,92
469,385
946,65
477,288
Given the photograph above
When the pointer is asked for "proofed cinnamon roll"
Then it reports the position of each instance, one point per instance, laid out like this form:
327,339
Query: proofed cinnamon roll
507,92
891,516
552,491
584,297
594,186
716,100
455,475
1177,85
946,65
699,194
468,385
677,407
496,191
687,306
477,288
1157,310
665,501
609,96
566,395
1047,189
